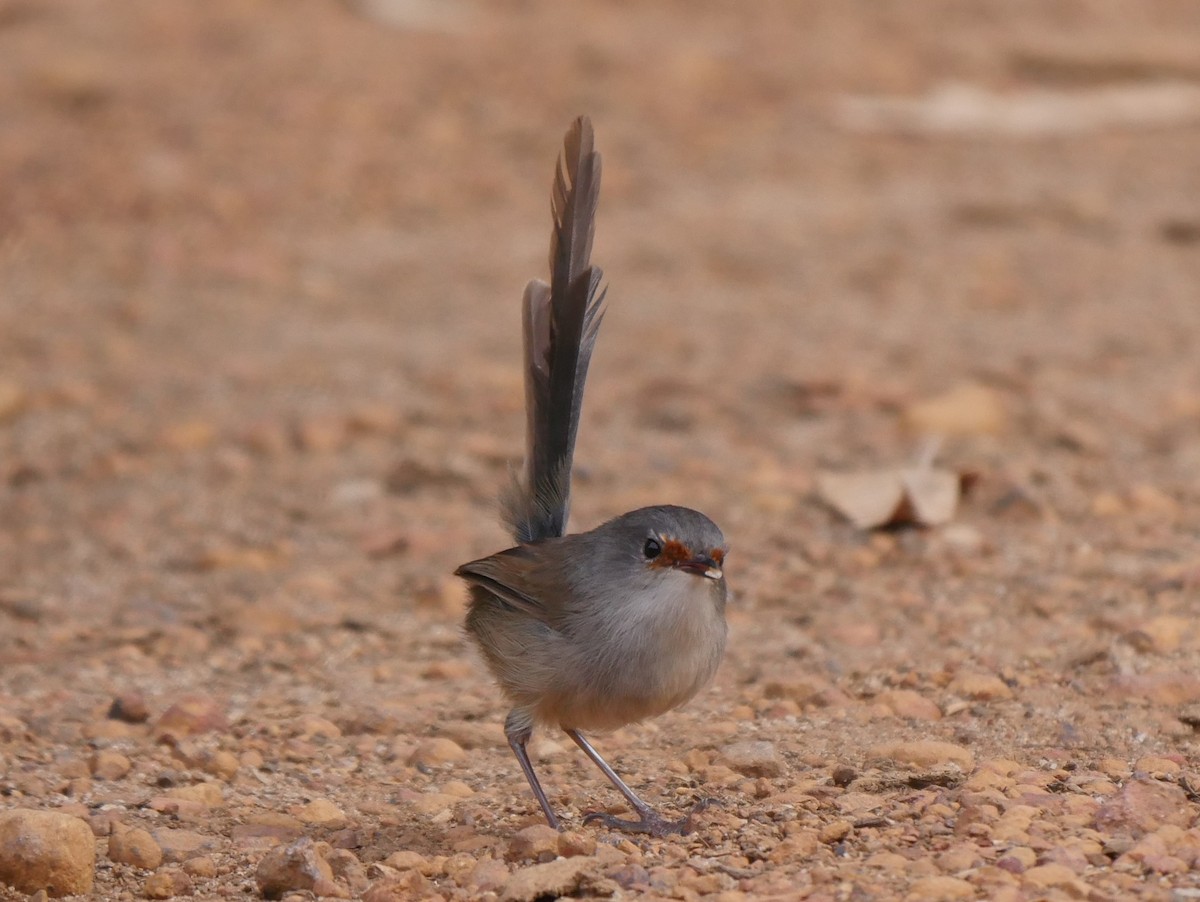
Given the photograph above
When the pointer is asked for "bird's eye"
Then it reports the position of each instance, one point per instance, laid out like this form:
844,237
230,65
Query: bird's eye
652,549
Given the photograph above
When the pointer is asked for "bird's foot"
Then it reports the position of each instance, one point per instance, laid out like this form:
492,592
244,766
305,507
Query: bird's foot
650,821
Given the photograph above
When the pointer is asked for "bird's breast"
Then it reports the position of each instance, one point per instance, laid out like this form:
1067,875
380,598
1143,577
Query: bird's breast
672,636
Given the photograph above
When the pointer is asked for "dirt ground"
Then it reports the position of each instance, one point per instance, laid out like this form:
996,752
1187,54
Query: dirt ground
260,267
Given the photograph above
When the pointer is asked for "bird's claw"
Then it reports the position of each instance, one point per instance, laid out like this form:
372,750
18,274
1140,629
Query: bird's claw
649,821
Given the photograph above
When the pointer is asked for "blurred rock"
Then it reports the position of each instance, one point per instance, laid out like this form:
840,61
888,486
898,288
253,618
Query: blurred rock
397,888
980,686
46,850
167,884
180,809
1046,876
109,765
188,435
910,704
926,753
321,812
320,432
473,734
191,715
406,860
538,843
209,794
434,804
489,875
572,843
221,763
813,691
1164,634
561,877
298,867
11,728
1164,687
134,846
310,726
201,866
1158,768
129,707
348,870
754,758
178,845
835,831
1142,806
940,889
888,861
259,835
12,400
436,750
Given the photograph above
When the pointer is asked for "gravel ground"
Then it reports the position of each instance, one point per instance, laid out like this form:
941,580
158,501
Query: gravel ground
260,267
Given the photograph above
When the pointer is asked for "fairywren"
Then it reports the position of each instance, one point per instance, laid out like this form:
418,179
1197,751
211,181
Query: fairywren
599,629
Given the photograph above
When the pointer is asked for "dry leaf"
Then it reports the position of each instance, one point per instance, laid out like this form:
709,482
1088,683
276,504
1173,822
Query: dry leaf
933,494
867,499
921,495
966,409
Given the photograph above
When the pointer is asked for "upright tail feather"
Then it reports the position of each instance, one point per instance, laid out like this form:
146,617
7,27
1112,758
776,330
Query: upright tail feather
560,323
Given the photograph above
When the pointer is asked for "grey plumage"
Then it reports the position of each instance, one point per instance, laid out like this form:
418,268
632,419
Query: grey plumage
580,632
560,323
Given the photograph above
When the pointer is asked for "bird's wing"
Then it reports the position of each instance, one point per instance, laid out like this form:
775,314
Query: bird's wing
518,577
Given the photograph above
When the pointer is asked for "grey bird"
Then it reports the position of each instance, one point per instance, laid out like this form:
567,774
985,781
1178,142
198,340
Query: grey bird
603,628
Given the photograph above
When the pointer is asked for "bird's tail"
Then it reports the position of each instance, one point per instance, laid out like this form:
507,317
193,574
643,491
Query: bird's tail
560,322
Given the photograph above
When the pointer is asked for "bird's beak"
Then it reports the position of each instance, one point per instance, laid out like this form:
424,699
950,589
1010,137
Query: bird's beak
702,565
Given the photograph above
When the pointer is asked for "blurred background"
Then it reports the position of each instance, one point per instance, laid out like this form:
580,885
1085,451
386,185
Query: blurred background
236,226
260,273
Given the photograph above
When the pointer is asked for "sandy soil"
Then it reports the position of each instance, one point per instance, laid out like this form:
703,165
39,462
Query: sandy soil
260,266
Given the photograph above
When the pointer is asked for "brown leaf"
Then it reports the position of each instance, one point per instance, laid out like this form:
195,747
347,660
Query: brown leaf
867,498
922,495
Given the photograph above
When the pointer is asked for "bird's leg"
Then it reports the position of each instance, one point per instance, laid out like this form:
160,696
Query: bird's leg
649,820
518,731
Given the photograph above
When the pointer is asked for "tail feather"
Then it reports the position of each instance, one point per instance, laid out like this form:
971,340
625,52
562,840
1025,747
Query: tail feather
560,324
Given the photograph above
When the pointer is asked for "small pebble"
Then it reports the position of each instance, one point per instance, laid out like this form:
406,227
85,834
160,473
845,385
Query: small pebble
405,860
201,866
436,750
297,866
208,794
572,843
166,884
321,812
487,876
129,707
910,704
982,687
191,716
538,843
754,758
134,846
107,764
561,877
940,889
926,753
835,831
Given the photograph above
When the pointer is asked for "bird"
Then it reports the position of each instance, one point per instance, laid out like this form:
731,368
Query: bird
594,630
